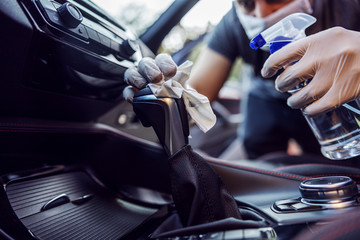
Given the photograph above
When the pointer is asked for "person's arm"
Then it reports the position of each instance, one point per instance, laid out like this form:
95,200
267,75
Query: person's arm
209,73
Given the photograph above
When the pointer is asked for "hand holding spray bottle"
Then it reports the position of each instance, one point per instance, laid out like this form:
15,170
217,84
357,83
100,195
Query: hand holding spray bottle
338,130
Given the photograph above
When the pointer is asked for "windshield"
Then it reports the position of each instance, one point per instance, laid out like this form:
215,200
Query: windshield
137,15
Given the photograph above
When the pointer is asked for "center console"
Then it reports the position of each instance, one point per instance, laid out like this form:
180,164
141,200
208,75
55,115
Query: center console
71,203
86,181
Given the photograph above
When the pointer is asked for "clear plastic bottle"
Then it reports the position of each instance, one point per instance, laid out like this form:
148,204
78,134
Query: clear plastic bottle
337,130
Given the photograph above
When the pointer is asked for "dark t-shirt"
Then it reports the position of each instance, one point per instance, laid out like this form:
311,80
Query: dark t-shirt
230,40
269,122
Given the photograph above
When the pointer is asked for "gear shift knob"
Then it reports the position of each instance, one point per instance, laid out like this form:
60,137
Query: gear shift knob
167,116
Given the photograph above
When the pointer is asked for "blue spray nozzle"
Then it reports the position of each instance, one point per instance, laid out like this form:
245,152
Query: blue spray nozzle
289,29
257,42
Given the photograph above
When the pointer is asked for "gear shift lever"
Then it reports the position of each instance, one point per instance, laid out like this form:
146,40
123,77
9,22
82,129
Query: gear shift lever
167,116
199,194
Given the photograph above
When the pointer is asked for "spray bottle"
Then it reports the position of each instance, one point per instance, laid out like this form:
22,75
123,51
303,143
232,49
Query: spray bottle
289,29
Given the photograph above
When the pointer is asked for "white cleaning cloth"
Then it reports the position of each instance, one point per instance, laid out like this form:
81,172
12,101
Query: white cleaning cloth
197,105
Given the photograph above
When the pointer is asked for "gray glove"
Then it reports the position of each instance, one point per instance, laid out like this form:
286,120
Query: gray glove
148,71
330,58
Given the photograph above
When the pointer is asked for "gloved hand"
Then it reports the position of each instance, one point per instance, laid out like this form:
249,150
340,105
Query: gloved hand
330,58
165,79
148,71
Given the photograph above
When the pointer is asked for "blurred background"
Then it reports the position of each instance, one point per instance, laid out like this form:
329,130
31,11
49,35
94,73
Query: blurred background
140,14
183,42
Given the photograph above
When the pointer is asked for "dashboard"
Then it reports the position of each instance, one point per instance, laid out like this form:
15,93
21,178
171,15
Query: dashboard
62,58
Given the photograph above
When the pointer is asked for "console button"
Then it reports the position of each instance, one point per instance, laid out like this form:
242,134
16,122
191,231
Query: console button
252,234
54,17
294,205
80,31
56,4
93,35
115,46
283,207
216,235
46,4
104,40
287,202
234,234
299,206
306,207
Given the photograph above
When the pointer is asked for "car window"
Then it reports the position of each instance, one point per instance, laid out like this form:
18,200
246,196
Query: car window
137,15
202,18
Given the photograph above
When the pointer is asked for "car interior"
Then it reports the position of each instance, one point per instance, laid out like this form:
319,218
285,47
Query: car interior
68,173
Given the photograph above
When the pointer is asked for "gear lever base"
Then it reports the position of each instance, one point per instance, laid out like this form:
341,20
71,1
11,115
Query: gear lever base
167,116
